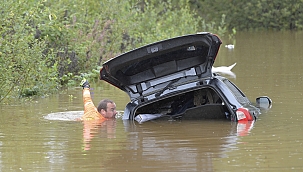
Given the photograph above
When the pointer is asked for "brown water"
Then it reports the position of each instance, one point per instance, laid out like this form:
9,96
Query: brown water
39,136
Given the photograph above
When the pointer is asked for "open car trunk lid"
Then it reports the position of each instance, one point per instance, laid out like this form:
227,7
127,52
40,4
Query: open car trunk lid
151,68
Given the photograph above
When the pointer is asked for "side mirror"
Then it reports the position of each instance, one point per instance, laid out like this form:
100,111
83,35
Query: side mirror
264,102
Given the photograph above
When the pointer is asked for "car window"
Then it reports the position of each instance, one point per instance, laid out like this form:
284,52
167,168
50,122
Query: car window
240,96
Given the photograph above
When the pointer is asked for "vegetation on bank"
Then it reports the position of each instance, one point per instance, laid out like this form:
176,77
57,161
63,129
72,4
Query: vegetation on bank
49,44
253,14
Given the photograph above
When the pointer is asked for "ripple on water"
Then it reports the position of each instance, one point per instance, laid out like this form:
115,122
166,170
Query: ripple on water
71,115
64,116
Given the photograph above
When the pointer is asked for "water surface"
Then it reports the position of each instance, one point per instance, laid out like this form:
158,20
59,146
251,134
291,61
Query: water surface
42,136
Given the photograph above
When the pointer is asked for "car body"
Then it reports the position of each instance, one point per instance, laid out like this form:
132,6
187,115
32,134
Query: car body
173,79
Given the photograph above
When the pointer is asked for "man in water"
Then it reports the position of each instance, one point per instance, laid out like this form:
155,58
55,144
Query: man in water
95,118
106,108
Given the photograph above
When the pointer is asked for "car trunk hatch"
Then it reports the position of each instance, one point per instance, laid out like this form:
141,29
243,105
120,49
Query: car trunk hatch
150,69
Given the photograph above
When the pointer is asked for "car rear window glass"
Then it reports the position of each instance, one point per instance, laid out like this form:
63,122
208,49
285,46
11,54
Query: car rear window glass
237,92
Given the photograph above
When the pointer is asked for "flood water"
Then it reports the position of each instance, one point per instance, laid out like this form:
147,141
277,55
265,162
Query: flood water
40,135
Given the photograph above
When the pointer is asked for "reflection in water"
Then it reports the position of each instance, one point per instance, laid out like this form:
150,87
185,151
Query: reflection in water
243,128
180,145
103,127
93,127
155,145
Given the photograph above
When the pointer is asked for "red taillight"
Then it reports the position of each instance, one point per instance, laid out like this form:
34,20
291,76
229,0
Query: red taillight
243,115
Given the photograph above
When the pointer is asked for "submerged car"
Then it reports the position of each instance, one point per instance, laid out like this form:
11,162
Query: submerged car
173,79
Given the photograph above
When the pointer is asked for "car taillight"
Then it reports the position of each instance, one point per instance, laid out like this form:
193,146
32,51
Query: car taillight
243,115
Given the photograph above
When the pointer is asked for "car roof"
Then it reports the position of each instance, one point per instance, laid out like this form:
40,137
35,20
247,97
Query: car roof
188,56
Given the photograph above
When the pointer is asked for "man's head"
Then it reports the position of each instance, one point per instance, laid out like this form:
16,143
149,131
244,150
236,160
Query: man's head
107,108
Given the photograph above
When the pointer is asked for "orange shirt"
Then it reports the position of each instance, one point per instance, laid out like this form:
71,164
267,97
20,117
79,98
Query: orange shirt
90,111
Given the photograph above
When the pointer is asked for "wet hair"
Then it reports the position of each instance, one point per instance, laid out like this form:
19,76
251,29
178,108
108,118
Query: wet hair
103,104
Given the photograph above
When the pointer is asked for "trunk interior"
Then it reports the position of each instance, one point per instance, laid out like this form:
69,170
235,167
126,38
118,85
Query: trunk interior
204,103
